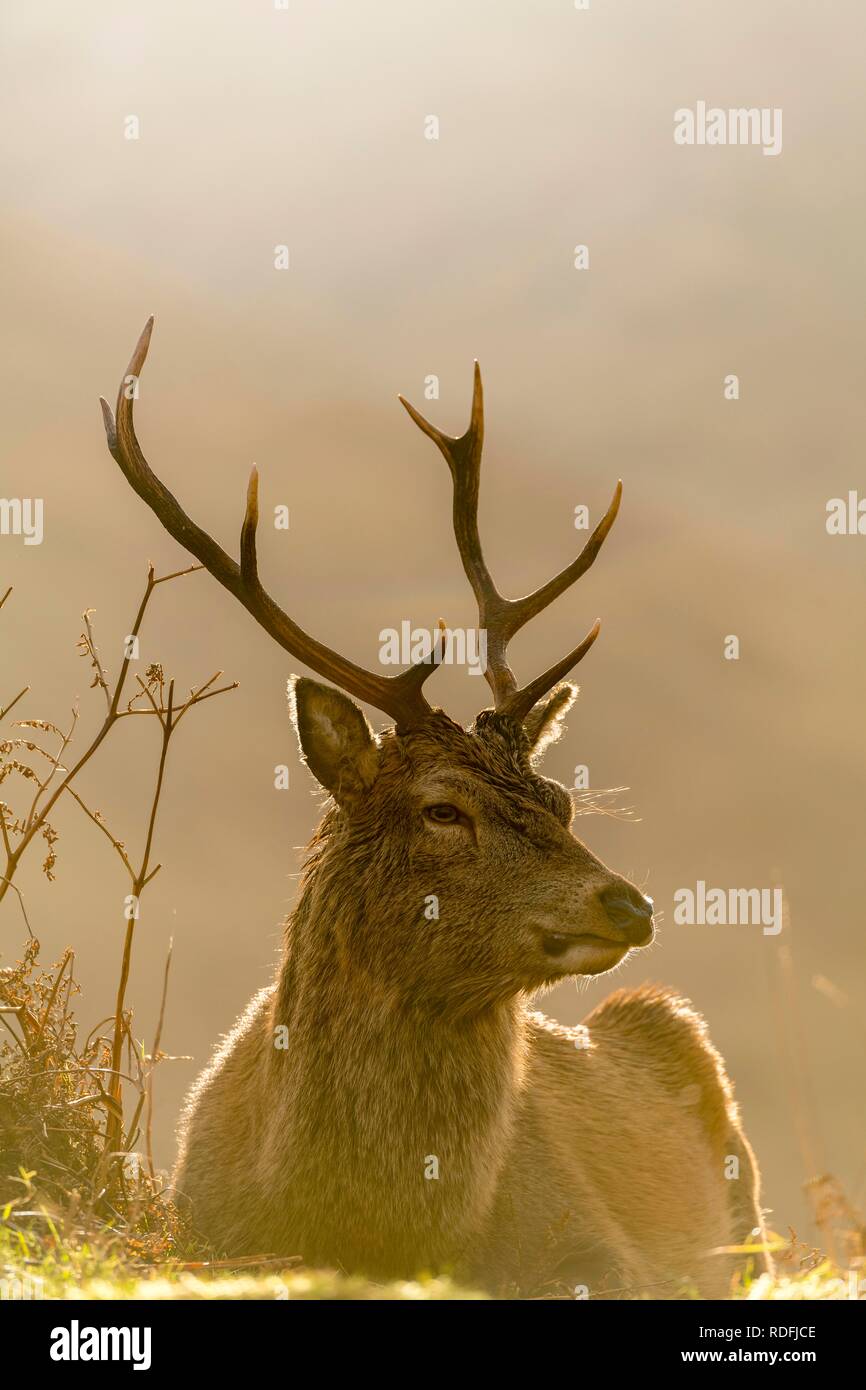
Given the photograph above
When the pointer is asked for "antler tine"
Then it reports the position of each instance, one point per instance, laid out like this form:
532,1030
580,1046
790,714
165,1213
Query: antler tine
522,609
399,696
500,617
520,703
463,456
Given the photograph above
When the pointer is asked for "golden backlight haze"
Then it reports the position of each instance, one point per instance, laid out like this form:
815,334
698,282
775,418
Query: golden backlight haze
410,257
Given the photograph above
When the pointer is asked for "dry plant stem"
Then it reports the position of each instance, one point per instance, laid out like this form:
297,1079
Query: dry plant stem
21,693
154,1059
101,678
139,881
16,889
56,766
68,955
39,814
6,1009
195,699
140,878
46,798
104,828
12,703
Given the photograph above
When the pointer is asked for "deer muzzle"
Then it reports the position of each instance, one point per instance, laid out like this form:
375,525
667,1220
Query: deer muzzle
629,912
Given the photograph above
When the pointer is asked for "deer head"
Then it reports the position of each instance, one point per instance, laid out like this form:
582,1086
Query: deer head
433,826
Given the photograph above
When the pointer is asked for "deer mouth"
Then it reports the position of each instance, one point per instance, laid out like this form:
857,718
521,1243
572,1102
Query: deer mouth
557,944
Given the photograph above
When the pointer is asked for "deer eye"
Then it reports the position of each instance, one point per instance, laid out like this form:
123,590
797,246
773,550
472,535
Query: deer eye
442,814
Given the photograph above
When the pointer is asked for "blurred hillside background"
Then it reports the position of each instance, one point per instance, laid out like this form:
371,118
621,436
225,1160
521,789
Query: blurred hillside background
410,257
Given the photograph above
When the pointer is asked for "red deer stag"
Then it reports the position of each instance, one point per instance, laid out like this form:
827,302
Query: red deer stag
419,1115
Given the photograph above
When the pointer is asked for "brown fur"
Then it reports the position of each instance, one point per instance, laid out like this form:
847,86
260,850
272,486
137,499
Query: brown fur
412,1038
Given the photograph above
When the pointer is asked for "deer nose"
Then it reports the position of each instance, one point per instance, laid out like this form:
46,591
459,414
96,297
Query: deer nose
630,912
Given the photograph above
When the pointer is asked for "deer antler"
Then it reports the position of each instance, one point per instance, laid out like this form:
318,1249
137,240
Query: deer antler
398,696
502,617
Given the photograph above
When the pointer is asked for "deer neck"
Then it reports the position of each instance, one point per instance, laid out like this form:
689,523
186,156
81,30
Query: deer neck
396,1112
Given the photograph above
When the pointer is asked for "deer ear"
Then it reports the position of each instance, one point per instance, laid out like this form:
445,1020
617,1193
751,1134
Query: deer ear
545,722
336,741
